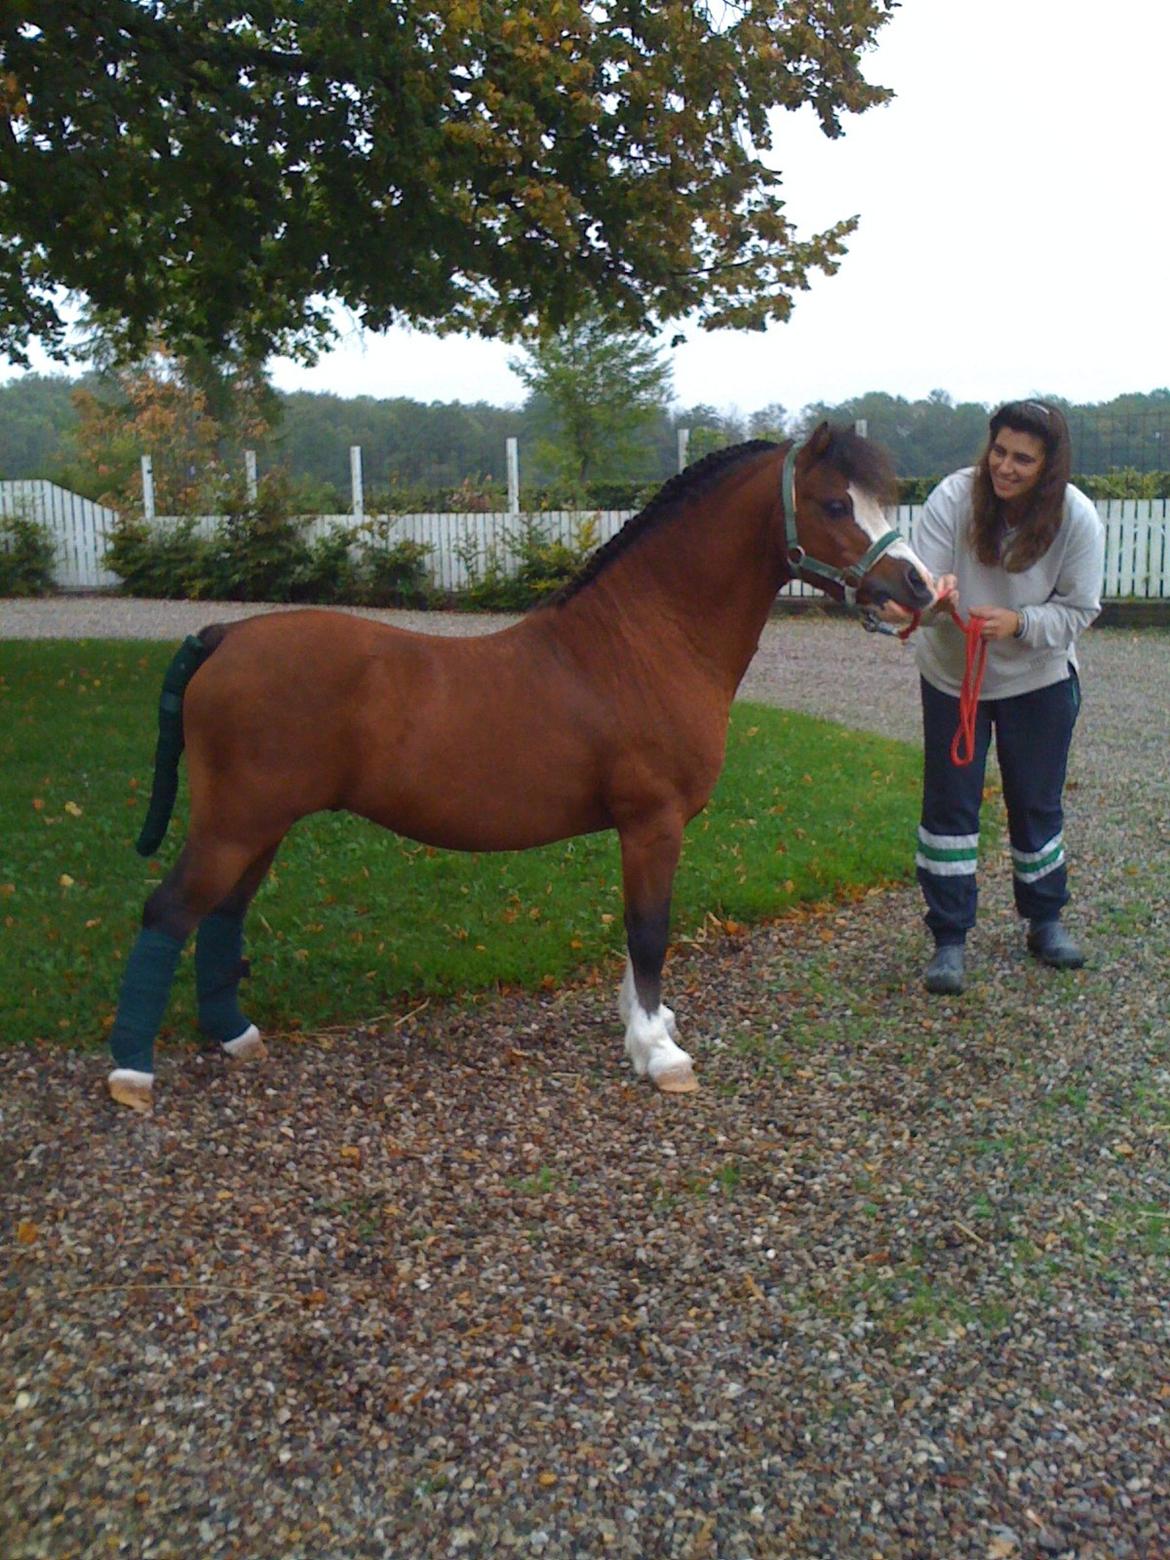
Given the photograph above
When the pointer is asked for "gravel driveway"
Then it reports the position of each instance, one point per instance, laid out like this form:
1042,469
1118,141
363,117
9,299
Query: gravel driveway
893,1284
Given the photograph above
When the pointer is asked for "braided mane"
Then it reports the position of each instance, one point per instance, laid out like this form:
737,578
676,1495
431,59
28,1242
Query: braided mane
687,485
855,458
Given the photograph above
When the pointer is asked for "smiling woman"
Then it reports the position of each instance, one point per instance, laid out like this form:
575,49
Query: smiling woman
1016,539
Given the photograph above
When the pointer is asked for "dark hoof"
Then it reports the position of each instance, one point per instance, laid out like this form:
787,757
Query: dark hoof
1051,944
944,973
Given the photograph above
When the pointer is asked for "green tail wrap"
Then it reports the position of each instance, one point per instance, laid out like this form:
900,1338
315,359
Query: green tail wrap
189,657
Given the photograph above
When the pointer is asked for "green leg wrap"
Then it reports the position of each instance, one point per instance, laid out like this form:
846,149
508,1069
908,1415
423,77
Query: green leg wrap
146,985
219,966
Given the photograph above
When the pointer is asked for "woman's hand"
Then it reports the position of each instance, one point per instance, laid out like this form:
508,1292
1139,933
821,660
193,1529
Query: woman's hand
946,596
998,622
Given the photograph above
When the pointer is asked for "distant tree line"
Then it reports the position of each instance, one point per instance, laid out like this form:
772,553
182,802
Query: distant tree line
453,453
930,437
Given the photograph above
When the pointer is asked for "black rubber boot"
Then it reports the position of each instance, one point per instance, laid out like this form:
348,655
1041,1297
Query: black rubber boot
945,972
1050,943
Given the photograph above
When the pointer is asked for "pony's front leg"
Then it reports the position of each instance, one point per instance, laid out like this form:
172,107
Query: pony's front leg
649,860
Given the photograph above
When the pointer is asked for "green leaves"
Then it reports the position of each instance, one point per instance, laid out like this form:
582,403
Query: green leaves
220,172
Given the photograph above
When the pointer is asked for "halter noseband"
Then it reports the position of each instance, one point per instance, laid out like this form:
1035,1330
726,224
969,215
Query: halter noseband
799,561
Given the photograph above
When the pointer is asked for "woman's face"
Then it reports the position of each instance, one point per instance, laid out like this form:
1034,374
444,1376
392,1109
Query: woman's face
1015,462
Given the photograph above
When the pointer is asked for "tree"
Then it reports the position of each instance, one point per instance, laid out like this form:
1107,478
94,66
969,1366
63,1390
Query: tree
769,422
36,412
925,438
218,172
601,387
163,408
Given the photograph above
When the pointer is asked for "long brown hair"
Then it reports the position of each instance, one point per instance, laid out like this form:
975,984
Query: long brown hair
1040,521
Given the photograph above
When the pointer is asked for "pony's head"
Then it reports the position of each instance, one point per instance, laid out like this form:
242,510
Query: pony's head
836,488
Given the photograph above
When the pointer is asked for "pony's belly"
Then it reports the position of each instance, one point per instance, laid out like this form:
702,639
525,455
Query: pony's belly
490,819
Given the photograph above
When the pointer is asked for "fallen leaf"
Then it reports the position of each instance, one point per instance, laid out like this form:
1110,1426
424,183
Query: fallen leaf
73,810
26,1232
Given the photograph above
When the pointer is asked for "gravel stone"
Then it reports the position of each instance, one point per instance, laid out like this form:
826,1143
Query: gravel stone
891,1286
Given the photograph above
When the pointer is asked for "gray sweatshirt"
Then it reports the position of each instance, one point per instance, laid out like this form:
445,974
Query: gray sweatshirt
1058,597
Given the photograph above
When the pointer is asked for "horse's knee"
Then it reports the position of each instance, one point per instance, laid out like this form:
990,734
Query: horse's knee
205,879
165,911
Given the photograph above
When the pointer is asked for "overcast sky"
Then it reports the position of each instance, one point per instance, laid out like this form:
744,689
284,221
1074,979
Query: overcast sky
1013,236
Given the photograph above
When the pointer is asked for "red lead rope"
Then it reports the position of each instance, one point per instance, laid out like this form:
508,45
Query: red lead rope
963,741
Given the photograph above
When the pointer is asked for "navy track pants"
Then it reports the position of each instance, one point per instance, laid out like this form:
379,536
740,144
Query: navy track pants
1032,736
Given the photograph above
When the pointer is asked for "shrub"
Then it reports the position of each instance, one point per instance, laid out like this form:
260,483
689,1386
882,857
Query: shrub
390,574
1121,482
170,564
322,568
543,565
26,557
916,490
1126,482
259,551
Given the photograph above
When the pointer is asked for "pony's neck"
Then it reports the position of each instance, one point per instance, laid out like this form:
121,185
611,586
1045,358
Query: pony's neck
708,575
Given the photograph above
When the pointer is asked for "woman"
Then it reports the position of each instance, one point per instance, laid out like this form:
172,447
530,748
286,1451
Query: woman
1022,551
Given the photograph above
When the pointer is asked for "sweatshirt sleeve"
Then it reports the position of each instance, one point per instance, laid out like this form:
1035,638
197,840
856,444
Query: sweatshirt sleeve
1076,597
937,529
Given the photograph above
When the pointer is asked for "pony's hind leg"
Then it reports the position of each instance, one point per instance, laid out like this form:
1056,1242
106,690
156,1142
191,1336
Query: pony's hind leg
649,859
200,880
220,966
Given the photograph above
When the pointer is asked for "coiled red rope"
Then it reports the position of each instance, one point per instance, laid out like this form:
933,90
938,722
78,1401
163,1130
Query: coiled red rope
963,741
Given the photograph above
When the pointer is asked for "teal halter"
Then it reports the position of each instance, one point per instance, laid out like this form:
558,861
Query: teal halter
799,561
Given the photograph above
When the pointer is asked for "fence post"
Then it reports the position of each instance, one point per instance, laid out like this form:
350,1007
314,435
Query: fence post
355,481
147,489
250,474
513,457
684,439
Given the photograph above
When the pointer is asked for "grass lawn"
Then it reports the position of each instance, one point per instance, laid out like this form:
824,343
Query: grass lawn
353,921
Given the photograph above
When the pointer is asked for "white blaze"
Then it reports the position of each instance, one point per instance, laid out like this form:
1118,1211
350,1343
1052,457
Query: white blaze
872,519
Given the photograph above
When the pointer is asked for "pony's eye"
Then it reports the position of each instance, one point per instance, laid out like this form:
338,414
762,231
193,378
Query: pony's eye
837,509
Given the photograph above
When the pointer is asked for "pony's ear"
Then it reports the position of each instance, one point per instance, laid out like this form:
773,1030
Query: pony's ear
816,444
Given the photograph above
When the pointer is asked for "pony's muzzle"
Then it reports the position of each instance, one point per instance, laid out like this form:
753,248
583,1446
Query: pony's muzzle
902,580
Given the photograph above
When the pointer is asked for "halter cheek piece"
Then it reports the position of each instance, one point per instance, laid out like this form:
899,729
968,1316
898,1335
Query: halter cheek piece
799,561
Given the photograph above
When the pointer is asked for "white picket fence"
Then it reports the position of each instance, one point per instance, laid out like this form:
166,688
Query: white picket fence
1137,537
77,526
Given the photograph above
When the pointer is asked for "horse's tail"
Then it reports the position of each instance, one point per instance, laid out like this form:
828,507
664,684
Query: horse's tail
187,660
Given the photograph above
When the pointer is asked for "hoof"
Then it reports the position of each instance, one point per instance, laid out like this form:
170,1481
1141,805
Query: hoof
677,1080
135,1089
247,1047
